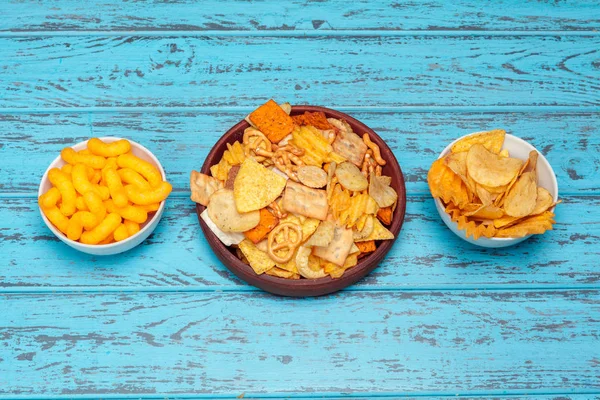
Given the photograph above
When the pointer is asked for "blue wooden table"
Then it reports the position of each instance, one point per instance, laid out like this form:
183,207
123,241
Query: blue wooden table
438,318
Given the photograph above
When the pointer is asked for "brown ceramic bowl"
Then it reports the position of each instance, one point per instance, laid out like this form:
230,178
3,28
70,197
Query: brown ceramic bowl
308,287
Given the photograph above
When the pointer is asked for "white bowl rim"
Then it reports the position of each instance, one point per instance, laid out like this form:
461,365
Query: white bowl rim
523,143
62,236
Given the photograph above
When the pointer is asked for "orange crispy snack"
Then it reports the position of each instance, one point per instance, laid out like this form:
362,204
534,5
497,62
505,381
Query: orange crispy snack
266,224
271,120
316,119
385,215
366,247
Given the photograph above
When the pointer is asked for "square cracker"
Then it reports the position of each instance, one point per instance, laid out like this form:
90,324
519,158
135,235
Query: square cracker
271,120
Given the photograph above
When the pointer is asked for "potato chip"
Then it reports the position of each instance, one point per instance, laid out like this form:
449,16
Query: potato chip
529,226
471,228
446,185
317,149
256,187
521,199
366,230
272,120
223,212
228,238
359,204
379,233
543,202
350,146
350,177
485,196
491,140
486,212
457,162
258,260
312,176
381,192
489,169
322,236
339,247
203,186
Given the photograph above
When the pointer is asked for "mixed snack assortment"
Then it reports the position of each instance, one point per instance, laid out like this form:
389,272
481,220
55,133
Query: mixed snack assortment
488,193
103,194
299,196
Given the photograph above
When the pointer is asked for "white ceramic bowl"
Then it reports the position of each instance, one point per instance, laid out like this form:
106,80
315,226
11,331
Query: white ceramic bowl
517,148
114,248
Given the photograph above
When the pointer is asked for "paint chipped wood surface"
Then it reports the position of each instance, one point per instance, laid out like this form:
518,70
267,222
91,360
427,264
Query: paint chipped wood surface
437,318
273,15
154,71
205,343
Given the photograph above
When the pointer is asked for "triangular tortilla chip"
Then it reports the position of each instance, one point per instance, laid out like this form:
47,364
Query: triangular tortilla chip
259,260
255,186
379,232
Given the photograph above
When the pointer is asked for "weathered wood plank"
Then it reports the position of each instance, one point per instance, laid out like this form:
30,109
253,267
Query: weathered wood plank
223,344
426,255
182,140
89,71
299,15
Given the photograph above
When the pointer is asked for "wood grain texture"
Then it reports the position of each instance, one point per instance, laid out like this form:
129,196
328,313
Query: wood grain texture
200,343
181,141
426,255
187,15
345,71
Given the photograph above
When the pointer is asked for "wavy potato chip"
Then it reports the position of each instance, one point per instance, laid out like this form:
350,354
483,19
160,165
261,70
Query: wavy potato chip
520,201
256,187
529,226
490,169
457,162
316,147
359,205
491,140
446,185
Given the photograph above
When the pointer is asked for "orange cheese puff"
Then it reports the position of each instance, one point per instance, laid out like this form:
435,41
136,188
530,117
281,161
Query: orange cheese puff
103,230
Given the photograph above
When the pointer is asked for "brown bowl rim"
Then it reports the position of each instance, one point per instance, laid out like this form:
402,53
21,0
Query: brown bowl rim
308,287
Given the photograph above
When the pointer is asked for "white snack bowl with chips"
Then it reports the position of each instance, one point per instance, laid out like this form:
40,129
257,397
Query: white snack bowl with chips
113,248
518,148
